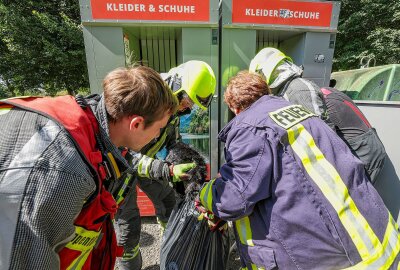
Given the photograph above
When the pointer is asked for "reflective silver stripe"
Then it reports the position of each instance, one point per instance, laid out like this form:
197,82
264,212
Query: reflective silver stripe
313,96
243,229
335,191
12,186
144,166
386,255
4,110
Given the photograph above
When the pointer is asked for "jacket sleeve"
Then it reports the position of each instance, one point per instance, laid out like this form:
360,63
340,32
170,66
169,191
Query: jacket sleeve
174,135
153,168
245,177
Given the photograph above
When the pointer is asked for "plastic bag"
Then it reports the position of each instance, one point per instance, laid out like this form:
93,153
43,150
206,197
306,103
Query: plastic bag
188,244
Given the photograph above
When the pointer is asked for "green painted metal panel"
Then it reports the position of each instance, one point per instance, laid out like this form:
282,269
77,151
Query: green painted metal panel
150,56
380,83
105,51
172,53
133,55
161,55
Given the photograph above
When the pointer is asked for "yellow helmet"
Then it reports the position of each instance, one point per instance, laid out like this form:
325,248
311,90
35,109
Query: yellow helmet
266,61
196,79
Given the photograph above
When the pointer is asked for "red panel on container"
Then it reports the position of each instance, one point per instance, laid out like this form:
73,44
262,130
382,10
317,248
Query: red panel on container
146,207
281,12
165,10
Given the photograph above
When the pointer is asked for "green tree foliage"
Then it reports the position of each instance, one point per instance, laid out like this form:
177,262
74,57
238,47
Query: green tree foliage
368,28
199,122
41,47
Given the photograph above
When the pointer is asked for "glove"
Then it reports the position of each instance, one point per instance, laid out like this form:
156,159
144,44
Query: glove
214,222
179,172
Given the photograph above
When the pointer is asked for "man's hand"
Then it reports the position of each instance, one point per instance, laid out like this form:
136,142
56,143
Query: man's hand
179,172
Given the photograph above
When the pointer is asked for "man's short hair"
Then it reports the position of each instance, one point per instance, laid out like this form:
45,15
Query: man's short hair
139,91
244,89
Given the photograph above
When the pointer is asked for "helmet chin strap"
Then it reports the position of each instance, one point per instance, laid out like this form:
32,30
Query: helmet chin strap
184,112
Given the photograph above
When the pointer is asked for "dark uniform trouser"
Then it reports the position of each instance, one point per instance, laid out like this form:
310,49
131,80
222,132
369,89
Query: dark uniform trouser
128,218
370,150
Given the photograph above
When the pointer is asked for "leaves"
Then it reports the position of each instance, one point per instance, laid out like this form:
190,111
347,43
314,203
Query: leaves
199,122
367,28
41,47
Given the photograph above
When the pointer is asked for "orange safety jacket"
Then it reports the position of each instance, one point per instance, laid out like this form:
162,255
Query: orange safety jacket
94,245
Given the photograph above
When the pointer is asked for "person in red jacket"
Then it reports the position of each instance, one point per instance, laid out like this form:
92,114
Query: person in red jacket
61,164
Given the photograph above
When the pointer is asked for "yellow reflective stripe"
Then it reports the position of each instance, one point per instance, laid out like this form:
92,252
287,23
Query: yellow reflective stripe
385,256
255,267
244,231
206,195
160,141
79,262
144,166
157,146
122,190
5,110
114,164
330,183
129,255
83,241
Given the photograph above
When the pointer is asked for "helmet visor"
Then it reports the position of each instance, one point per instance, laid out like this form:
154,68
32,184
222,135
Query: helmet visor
205,101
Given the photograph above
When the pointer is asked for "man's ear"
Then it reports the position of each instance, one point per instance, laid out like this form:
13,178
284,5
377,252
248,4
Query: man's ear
135,122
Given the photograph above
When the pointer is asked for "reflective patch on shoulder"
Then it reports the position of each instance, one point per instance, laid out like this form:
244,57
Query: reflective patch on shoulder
5,109
291,115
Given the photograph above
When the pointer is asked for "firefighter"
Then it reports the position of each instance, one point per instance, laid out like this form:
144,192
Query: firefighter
60,164
192,82
341,114
297,196
284,79
353,127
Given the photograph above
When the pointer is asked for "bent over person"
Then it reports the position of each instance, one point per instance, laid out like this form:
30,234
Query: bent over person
355,130
297,196
192,82
60,168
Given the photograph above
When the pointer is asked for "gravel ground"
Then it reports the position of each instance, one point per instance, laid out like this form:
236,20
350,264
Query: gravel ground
150,240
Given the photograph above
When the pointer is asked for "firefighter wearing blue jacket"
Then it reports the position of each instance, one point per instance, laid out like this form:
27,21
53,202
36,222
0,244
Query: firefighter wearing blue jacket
297,196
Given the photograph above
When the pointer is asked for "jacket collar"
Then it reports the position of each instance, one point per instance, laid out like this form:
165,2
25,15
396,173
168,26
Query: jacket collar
96,103
245,116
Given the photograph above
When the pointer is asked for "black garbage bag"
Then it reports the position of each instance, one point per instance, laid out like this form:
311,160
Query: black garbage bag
188,243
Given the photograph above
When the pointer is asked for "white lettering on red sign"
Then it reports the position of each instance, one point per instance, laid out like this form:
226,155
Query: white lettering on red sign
142,8
282,13
125,7
176,9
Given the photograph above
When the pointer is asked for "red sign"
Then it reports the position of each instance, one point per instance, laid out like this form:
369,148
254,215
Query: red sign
282,12
166,10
